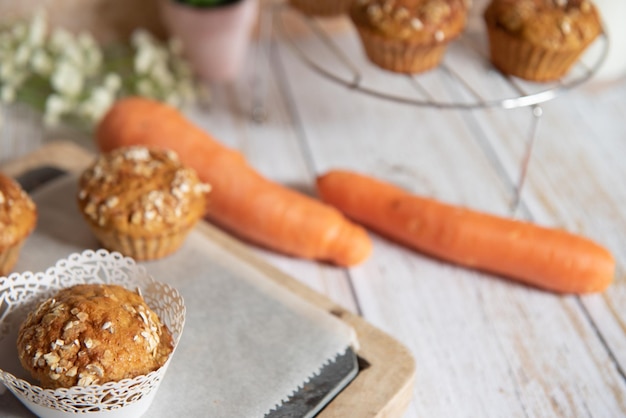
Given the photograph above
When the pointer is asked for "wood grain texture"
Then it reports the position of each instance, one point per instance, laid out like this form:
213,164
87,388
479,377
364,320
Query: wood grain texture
483,346
486,347
383,388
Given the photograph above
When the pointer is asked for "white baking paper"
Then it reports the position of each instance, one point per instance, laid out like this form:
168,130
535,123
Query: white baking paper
248,343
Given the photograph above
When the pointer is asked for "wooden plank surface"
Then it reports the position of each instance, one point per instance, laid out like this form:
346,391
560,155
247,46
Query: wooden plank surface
383,387
484,346
488,347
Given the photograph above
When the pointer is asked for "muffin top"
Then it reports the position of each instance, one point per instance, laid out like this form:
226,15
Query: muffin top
420,21
92,334
554,24
140,190
18,213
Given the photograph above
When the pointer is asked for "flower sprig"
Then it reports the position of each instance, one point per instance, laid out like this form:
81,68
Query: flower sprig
70,77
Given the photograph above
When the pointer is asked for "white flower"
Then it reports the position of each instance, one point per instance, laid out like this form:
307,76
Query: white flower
83,78
37,29
7,70
92,60
161,75
73,54
22,55
144,58
67,79
113,82
86,41
60,39
56,105
140,38
41,63
97,103
16,80
102,97
91,53
145,88
7,94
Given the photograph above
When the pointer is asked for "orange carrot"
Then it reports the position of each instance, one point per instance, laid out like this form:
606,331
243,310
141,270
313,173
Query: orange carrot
241,200
550,259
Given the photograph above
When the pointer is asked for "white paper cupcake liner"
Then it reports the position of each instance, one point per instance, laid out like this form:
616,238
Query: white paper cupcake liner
19,293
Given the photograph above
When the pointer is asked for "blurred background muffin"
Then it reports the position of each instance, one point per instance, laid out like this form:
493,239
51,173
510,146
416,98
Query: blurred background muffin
18,216
92,334
407,36
540,40
141,202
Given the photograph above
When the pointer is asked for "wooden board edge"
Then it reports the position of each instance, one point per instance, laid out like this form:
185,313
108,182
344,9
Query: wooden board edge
384,385
383,388
62,154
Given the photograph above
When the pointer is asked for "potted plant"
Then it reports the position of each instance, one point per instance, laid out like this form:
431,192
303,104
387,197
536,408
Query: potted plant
215,34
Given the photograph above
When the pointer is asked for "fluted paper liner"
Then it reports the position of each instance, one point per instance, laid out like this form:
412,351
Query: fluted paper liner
20,293
523,59
9,256
401,56
249,343
142,248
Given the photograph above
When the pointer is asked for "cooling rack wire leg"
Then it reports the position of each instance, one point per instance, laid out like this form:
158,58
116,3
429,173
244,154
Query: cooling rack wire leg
260,64
537,112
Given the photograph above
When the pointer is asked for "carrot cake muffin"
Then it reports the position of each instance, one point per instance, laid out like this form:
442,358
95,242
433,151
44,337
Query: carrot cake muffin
540,40
18,216
407,36
92,334
141,202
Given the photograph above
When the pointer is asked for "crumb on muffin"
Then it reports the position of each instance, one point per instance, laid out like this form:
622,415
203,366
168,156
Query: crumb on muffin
407,36
424,21
92,334
141,201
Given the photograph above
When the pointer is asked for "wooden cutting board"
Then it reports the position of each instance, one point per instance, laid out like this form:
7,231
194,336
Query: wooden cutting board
384,384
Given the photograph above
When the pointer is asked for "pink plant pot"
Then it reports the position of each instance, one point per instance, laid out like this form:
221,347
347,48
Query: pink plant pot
215,39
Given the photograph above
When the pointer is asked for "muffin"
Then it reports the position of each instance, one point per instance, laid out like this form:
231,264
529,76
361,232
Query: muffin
539,40
92,334
18,216
407,36
141,202
324,8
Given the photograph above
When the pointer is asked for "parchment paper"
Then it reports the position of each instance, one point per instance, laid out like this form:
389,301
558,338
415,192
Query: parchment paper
247,343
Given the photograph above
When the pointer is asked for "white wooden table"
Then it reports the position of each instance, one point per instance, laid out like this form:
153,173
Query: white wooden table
484,346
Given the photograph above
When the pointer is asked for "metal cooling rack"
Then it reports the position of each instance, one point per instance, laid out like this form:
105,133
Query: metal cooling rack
344,72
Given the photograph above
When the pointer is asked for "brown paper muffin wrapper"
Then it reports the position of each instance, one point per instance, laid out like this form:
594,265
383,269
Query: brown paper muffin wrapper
9,257
522,59
401,56
142,248
321,7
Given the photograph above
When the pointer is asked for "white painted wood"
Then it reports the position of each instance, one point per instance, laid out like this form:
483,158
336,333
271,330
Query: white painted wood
272,148
484,346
